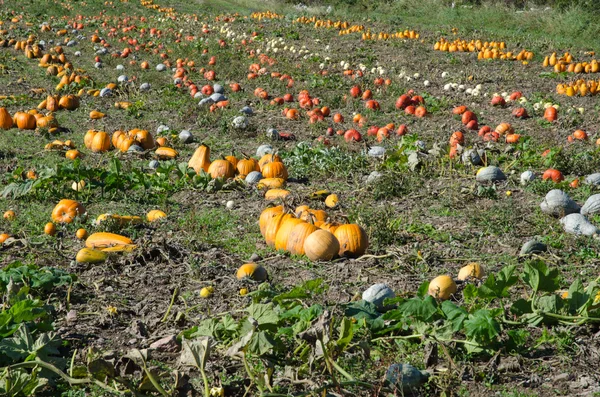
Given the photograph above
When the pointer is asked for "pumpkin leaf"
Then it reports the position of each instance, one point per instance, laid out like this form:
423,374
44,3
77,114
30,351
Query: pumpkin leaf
497,285
577,296
263,313
539,277
346,330
362,310
482,327
455,314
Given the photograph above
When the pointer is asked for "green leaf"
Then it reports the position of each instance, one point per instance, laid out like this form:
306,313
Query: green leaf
517,340
470,292
521,307
261,343
455,314
423,289
577,296
549,304
362,309
306,290
346,330
497,285
420,309
263,313
482,327
539,277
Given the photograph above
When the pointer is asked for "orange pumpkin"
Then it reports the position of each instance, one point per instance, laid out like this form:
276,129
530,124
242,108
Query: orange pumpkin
200,159
6,121
267,216
275,169
297,237
66,210
353,240
25,121
273,227
550,114
553,174
246,166
221,169
284,232
101,142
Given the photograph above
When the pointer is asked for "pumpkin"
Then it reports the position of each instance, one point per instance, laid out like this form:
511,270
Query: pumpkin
155,215
274,194
504,128
268,158
101,142
165,153
89,255
89,138
321,245
143,137
162,141
553,174
233,160
297,237
6,121
200,159
3,237
490,174
284,232
580,135
51,103
25,121
558,203
251,271
331,201
273,227
124,143
267,216
109,241
329,226
472,270
457,138
221,169
313,216
459,110
520,113
378,293
442,287
81,234
9,215
95,115
275,169
246,166
46,122
121,220
66,210
579,225
117,137
353,240
550,113
72,154
271,183
50,229
513,138
468,116
69,102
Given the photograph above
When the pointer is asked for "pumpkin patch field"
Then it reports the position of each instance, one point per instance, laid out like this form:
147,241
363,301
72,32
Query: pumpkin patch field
239,198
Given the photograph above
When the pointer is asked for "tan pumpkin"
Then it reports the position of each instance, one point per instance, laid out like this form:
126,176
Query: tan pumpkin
271,183
109,242
166,153
297,237
69,102
6,121
155,215
284,232
66,210
200,159
221,169
143,137
321,245
353,240
101,142
51,103
276,194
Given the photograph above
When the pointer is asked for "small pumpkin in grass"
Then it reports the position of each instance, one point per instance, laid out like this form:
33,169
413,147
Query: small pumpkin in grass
233,160
472,270
459,110
442,287
553,175
468,116
221,169
520,113
25,121
155,215
95,115
504,129
162,141
101,142
267,216
457,138
332,200
81,234
9,215
66,210
268,158
353,240
6,121
251,271
321,245
143,137
270,183
580,135
116,138
69,102
50,229
550,114
275,169
284,231
72,154
3,237
297,237
200,159
513,138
